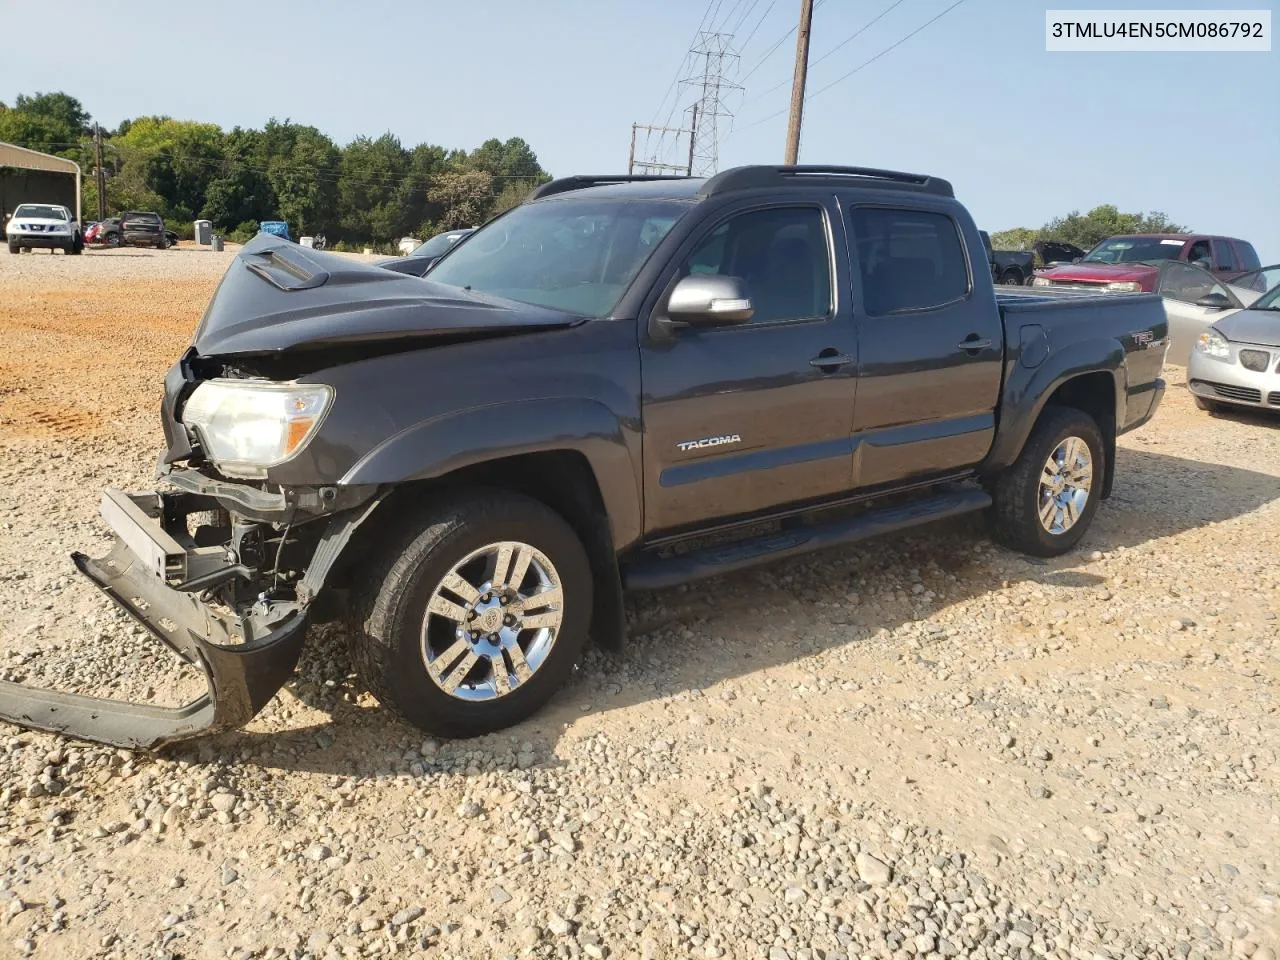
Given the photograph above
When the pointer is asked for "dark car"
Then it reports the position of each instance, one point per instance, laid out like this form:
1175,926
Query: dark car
1010,267
142,229
1130,262
420,259
622,383
1053,252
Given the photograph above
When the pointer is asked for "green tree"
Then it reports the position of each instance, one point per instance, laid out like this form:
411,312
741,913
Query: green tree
49,122
370,189
1085,230
464,198
1017,238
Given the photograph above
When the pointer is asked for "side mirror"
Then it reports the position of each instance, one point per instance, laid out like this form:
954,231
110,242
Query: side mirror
1215,301
1076,259
710,300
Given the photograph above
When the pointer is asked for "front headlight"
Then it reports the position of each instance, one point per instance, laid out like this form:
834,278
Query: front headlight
1125,286
1042,282
1213,344
247,426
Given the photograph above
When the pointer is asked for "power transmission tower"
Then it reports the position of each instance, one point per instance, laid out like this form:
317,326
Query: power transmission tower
713,88
797,83
655,164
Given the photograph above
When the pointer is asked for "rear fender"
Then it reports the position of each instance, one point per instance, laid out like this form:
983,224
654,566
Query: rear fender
1028,390
438,447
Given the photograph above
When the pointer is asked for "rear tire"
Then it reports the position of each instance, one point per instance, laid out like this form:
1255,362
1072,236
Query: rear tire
1011,278
1042,504
397,623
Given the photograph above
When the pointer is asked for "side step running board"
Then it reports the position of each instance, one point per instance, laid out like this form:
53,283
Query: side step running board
657,573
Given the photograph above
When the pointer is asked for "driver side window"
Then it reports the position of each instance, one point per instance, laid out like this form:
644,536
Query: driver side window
781,253
1199,251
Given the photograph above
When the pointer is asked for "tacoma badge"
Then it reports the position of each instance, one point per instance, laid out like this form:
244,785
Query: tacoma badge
709,442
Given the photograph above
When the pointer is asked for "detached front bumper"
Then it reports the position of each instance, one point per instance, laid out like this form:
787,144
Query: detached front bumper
178,590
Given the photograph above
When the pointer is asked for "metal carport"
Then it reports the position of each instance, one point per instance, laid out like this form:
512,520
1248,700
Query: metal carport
28,176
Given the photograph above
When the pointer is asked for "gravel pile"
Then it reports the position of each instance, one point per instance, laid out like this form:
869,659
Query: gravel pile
921,748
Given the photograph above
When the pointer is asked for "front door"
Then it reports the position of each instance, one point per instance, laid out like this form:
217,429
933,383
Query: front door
744,418
930,346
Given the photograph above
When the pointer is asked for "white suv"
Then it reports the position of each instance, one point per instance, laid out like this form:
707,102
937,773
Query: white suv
43,225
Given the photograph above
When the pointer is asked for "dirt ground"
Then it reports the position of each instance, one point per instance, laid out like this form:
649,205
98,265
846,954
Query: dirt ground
924,747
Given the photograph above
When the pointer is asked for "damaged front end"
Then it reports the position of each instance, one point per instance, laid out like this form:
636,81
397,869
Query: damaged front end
222,573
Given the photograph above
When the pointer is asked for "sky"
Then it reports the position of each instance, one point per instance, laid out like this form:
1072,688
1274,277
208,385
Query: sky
1023,134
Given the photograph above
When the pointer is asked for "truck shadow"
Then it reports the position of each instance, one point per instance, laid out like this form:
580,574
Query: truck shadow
702,634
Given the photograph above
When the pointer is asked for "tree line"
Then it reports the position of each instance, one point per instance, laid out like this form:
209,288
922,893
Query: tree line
372,190
1086,229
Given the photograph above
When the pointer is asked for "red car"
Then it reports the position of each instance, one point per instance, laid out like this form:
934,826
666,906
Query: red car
1129,263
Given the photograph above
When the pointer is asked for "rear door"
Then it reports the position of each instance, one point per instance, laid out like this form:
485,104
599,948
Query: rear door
747,418
930,344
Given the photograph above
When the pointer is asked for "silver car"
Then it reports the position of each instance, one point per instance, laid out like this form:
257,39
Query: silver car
1237,360
1194,299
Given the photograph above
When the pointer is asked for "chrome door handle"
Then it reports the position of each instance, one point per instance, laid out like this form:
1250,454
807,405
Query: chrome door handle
973,344
824,360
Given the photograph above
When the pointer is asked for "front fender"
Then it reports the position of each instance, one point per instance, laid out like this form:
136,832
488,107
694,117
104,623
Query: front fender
439,446
1027,391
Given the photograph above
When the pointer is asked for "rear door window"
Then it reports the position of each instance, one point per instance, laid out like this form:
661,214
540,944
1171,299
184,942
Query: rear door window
908,260
1224,255
1246,256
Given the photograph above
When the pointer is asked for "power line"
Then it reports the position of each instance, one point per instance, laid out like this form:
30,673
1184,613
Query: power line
847,40
743,19
866,63
777,43
763,17
680,70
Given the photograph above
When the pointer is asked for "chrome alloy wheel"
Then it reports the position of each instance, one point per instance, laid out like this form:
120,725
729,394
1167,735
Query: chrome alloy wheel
492,621
1065,485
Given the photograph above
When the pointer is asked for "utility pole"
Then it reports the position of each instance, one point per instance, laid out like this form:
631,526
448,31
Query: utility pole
100,175
797,83
631,160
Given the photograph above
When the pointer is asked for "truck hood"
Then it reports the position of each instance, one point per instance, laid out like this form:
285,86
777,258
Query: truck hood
1251,326
1101,272
24,222
278,297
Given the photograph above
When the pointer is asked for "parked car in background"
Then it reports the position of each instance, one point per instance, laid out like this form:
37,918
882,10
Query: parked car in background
277,228
1129,263
418,261
47,225
139,228
1010,267
1053,252
105,232
1236,362
1194,299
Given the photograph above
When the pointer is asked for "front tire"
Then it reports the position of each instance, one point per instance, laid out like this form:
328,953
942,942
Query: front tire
1044,503
13,247
476,615
1208,406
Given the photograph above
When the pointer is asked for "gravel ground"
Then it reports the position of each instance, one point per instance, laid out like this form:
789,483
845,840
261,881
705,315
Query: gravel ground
926,747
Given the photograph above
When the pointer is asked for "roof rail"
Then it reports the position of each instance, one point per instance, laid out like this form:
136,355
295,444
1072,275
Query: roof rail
565,184
746,178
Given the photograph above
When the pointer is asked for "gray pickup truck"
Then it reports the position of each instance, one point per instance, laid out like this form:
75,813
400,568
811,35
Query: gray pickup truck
623,383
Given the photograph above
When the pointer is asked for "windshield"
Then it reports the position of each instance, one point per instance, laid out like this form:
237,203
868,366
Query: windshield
42,210
577,256
1269,300
1134,250
437,245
